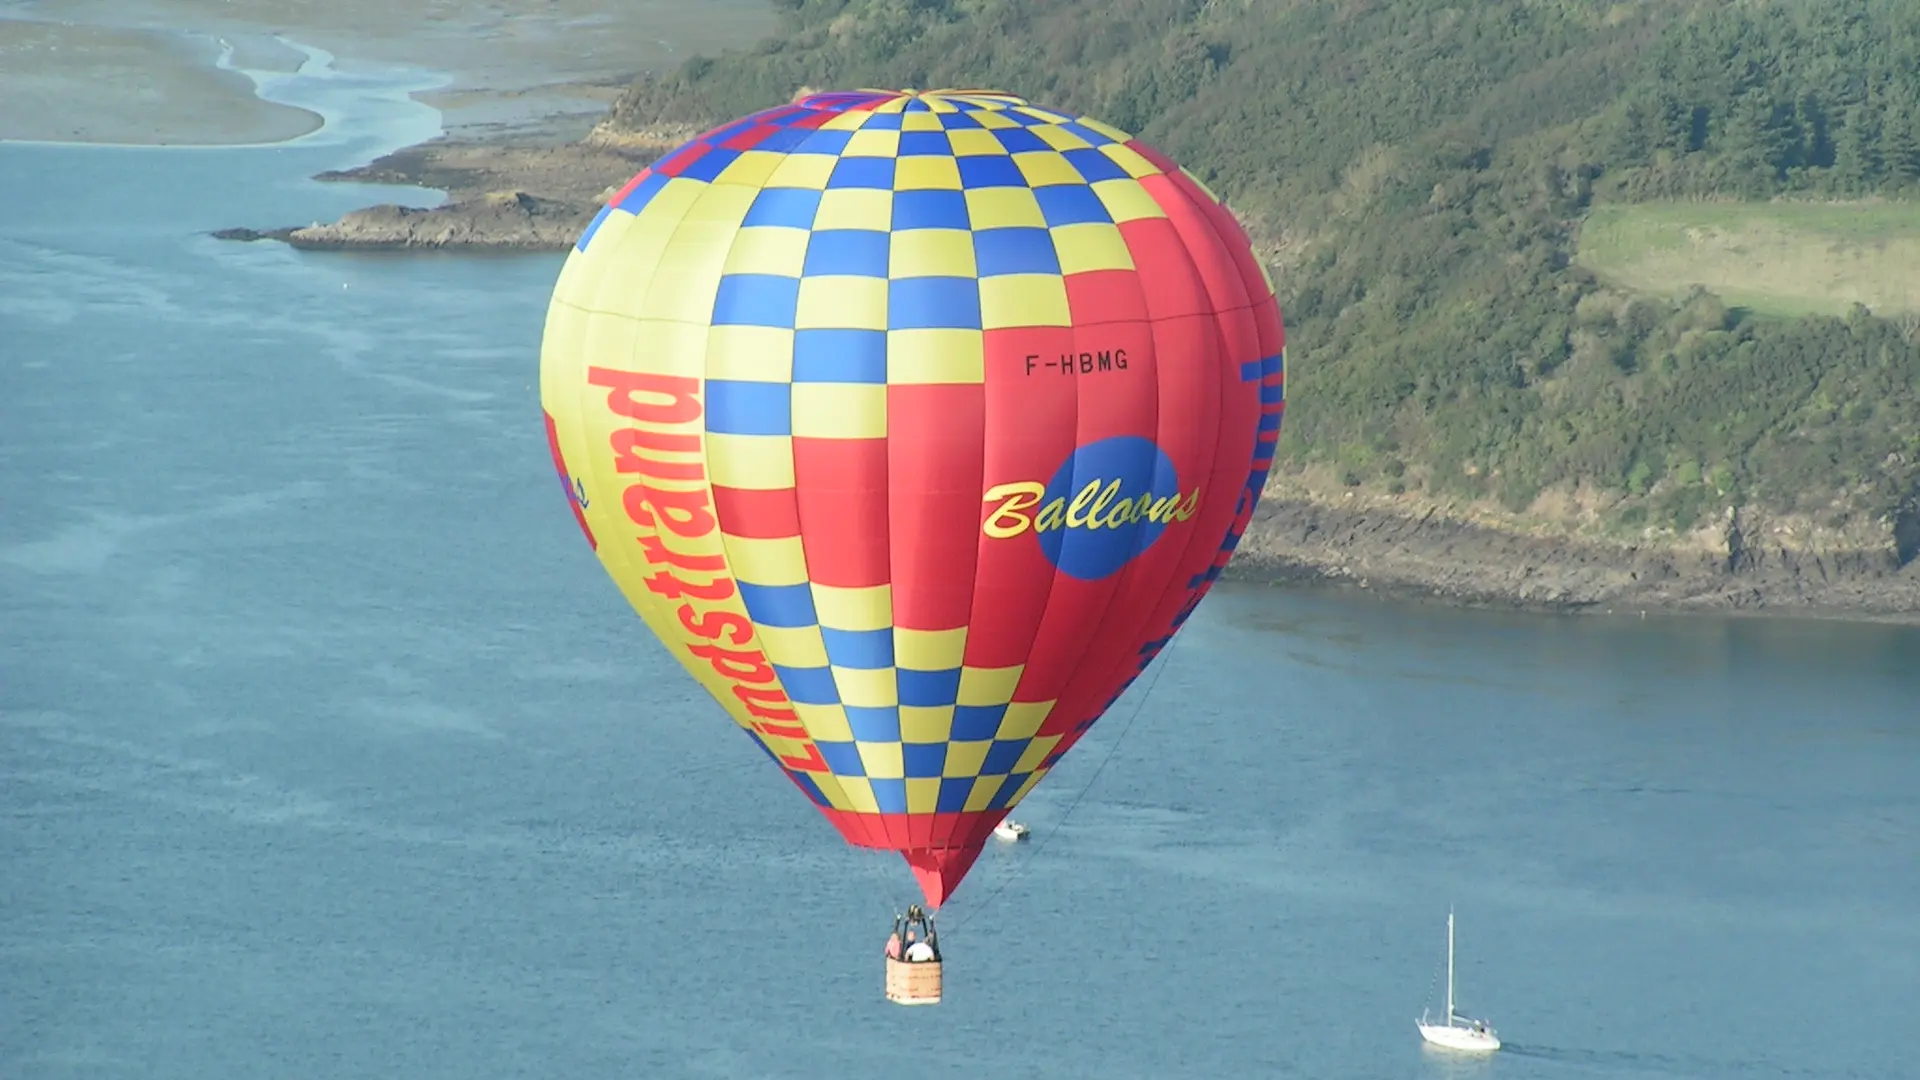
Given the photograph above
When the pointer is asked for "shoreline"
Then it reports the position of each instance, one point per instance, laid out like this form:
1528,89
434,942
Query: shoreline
522,192
65,84
516,195
145,73
1411,553
533,186
522,195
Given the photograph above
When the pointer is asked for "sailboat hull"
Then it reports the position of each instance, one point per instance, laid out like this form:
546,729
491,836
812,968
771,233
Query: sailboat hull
1459,1038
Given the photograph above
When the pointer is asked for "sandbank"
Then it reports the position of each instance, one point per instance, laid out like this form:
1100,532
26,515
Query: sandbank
96,84
142,71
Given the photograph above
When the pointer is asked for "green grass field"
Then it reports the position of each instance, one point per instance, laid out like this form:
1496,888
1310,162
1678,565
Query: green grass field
1775,258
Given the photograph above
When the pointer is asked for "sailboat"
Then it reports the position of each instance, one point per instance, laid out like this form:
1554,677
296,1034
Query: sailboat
1458,1032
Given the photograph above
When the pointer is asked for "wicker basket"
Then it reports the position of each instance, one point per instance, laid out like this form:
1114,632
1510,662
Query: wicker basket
913,983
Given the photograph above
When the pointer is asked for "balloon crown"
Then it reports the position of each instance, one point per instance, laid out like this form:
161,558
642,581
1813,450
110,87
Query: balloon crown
875,99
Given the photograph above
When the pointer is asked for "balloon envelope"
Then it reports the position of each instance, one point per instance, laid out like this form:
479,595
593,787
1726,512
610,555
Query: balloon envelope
914,424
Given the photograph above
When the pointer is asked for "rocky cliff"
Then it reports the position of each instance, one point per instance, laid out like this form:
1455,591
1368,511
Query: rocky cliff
500,196
502,220
1745,561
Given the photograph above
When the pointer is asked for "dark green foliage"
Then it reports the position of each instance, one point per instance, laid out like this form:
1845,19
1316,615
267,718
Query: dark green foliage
1422,166
1758,98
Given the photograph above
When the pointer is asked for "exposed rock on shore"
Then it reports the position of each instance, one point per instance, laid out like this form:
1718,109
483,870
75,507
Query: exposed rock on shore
500,197
1746,562
506,220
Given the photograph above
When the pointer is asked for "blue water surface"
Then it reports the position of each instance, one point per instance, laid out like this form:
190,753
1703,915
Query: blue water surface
328,750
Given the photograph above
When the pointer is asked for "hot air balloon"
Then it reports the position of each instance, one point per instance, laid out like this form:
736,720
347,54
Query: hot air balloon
914,424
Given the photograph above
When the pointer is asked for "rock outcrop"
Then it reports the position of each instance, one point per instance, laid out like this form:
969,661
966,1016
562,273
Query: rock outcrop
506,220
1749,562
506,198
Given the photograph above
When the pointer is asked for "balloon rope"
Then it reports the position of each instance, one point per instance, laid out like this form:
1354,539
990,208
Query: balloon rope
1138,708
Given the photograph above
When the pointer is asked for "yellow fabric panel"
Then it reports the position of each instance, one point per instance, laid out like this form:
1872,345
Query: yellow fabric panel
1025,786
1023,718
795,647
840,410
872,142
854,208
840,302
929,650
926,174
989,686
809,171
936,356
967,757
1003,208
689,273
1036,752
1015,300
1039,113
931,253
846,121
859,795
1130,160
866,608
923,794
926,723
826,723
751,170
1060,138
669,346
984,789
777,561
1091,246
755,462
867,688
767,249
750,353
974,142
1108,130
1044,167
721,204
1126,200
882,760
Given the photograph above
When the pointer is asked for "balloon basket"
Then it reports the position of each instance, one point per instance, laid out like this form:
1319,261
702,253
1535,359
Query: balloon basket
913,983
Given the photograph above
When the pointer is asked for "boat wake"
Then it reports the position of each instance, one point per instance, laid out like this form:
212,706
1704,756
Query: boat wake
1644,1063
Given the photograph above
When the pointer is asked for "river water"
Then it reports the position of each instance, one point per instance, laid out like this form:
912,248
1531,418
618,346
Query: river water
327,749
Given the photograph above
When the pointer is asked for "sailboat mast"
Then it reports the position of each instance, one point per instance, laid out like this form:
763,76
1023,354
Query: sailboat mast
1449,966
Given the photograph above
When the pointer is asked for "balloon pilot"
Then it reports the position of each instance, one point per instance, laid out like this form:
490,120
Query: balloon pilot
913,935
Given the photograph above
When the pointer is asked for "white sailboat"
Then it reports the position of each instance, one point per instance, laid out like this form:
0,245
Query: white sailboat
1458,1032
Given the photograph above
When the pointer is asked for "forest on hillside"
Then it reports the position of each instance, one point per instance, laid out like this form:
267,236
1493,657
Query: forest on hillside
1417,171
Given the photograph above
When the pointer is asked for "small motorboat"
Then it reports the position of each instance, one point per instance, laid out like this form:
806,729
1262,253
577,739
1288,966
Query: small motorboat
1011,830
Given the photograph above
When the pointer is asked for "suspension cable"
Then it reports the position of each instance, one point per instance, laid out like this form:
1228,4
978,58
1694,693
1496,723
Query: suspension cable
1139,707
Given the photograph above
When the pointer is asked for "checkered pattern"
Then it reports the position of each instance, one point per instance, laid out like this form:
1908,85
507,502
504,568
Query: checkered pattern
836,270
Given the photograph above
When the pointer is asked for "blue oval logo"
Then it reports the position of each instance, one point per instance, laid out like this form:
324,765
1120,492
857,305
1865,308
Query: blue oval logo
1105,505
